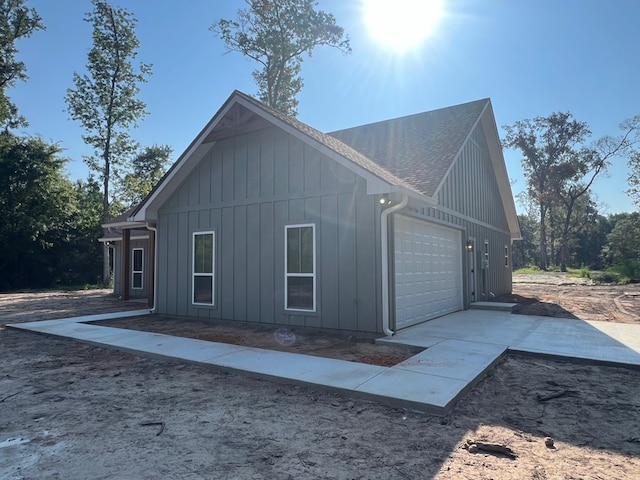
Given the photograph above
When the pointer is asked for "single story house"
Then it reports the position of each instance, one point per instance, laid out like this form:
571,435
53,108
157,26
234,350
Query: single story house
369,229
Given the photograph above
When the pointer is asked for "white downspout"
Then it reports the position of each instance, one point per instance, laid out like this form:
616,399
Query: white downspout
384,237
155,267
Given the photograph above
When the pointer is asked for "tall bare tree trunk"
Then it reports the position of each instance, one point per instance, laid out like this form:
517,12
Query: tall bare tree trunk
543,238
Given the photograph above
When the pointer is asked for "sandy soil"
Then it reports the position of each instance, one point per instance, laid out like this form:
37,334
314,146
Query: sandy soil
556,295
351,348
74,411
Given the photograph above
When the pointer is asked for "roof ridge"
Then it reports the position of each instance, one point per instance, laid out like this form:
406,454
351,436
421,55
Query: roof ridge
413,115
333,143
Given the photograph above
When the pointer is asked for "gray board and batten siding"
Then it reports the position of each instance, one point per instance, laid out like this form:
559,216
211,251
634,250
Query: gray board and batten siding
246,189
469,201
469,197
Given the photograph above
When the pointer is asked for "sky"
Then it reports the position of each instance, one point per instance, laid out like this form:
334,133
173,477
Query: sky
531,57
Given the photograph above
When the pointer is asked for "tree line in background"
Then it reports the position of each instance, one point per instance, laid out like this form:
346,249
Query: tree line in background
49,225
563,227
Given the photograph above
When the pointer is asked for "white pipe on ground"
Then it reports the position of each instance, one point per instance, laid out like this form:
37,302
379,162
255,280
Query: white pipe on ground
384,237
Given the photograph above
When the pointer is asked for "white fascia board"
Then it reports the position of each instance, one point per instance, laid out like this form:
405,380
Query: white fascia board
375,184
500,169
136,237
149,211
487,120
127,224
183,167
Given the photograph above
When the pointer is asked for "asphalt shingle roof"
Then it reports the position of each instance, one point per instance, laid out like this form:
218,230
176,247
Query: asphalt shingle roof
333,143
420,148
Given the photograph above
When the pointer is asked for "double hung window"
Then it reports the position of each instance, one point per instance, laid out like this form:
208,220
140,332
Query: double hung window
300,267
137,273
203,268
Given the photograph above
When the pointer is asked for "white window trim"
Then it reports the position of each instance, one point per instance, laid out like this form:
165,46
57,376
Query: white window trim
309,275
213,269
506,256
141,271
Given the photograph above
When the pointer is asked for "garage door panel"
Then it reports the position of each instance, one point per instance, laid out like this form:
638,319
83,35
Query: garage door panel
428,270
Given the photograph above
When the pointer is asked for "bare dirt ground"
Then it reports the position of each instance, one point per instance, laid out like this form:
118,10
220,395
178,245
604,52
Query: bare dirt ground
354,349
74,411
554,294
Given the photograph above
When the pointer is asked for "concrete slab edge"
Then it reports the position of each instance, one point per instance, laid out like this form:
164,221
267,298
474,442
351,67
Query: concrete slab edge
451,403
574,359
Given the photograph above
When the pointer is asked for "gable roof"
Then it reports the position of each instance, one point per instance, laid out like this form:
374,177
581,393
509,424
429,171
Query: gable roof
242,113
418,148
332,143
422,148
410,155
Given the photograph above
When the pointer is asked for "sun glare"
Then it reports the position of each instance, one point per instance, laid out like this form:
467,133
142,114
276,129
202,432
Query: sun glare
401,25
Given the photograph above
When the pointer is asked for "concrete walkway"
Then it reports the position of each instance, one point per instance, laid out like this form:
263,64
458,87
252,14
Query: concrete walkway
460,348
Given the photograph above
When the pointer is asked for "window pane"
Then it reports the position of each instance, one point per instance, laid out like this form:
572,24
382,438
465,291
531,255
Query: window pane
203,289
137,260
137,280
293,250
306,254
300,293
203,256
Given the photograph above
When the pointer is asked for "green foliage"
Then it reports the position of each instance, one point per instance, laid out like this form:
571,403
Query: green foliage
16,21
104,100
276,34
148,168
634,177
629,269
560,169
621,253
79,255
547,144
529,270
582,272
49,226
589,240
623,243
524,251
34,196
611,276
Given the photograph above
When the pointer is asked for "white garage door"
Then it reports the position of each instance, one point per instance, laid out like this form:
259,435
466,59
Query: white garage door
428,264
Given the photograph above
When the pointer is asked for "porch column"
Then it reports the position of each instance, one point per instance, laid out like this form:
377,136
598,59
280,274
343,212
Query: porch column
151,265
125,269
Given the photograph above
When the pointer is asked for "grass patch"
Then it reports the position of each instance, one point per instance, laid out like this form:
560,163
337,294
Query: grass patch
611,277
582,272
532,269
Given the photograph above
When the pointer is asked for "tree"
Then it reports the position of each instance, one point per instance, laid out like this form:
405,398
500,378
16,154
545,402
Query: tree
623,243
16,22
148,167
590,242
524,251
634,177
560,169
105,99
78,251
545,144
35,200
622,250
276,34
